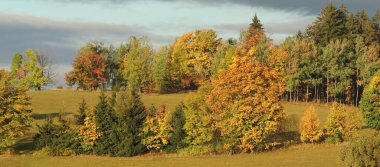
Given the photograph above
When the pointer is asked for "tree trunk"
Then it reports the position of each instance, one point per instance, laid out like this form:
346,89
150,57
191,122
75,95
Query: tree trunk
357,88
307,93
327,91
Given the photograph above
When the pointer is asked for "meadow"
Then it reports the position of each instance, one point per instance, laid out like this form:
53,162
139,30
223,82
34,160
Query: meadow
51,103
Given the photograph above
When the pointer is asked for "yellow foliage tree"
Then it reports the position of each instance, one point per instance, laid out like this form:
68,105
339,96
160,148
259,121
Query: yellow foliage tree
193,56
157,130
309,127
245,104
89,131
15,109
342,123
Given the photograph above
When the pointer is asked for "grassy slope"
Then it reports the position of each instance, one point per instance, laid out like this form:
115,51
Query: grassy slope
51,102
307,155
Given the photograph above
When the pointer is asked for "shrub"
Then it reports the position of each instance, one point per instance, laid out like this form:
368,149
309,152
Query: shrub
370,103
341,123
156,130
363,152
57,139
309,127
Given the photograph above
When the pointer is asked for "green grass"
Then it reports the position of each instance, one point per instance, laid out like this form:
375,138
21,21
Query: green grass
52,102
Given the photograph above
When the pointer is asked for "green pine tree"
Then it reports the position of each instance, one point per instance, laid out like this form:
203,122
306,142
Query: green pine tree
177,122
105,121
131,115
82,112
256,23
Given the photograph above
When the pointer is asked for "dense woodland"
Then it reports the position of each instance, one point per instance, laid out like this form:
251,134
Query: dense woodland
239,84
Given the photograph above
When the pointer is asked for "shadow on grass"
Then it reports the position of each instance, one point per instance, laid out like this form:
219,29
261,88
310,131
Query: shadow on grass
44,116
24,146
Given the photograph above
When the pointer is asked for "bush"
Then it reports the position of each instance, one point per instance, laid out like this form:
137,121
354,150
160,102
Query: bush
309,127
57,140
363,152
341,123
370,103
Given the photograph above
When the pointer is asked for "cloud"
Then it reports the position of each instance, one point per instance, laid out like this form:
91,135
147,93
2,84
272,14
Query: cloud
310,6
62,38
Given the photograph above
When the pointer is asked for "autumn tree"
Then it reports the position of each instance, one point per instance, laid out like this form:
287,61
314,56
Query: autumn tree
341,123
138,64
198,122
116,67
160,69
16,69
15,110
89,69
157,130
245,104
252,37
89,131
226,50
32,73
192,58
369,105
309,127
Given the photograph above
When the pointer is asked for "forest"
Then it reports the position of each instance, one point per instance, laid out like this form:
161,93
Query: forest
235,90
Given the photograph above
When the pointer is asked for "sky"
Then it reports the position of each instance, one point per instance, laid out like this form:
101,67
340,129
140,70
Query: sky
61,27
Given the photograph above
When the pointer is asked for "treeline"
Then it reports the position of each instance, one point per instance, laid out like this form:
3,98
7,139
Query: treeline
332,60
33,70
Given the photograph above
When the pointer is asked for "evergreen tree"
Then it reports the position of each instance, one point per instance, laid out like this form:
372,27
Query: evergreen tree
82,112
352,26
330,25
177,122
366,29
256,24
376,24
105,122
131,115
252,37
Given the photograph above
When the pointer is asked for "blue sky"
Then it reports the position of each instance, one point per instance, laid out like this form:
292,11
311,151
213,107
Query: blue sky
61,27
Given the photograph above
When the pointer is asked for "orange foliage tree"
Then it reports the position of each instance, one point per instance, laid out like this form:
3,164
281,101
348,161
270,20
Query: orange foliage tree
89,71
245,104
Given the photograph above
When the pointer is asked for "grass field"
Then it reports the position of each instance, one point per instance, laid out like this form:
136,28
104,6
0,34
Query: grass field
52,102
297,156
